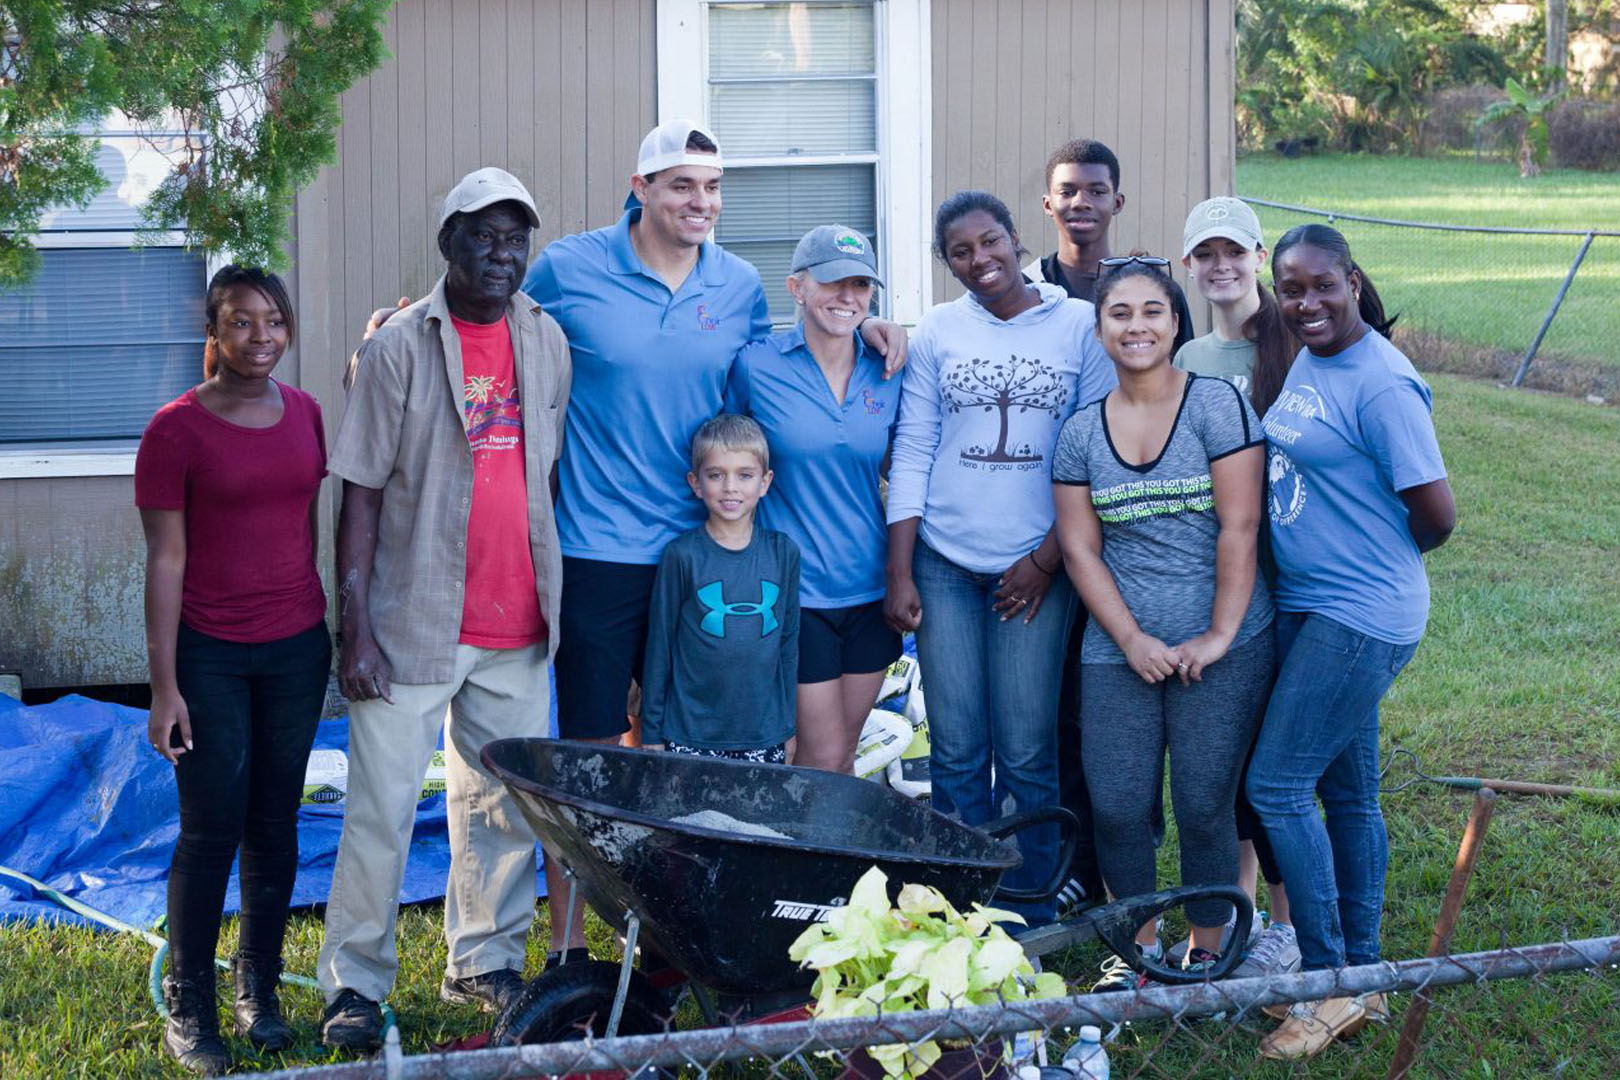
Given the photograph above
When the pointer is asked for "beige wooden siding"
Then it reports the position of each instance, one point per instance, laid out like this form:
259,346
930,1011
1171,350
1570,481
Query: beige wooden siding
1014,79
560,92
470,83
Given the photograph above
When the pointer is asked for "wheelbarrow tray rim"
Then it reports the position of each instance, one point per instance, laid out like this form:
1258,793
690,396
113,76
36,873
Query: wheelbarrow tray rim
1000,854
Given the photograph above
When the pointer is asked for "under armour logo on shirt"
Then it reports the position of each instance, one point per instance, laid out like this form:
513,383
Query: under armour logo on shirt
712,596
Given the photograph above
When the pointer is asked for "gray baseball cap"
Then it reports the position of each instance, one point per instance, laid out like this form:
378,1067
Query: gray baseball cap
486,187
833,253
1222,216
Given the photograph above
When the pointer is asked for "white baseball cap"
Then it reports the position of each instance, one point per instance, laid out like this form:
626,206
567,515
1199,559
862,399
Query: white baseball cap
665,147
485,187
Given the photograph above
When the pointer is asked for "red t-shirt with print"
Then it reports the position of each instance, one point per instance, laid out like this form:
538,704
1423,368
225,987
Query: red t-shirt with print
501,608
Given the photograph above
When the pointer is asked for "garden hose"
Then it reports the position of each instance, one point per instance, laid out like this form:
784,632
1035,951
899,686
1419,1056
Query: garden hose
159,943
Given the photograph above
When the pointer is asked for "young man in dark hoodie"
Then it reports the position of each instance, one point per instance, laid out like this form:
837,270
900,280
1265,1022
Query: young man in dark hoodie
1082,198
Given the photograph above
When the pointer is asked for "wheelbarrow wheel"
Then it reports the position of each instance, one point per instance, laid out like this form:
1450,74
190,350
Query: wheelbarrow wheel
564,1003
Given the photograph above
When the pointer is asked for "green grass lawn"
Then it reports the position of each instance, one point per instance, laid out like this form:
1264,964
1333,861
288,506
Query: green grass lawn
1517,678
1485,291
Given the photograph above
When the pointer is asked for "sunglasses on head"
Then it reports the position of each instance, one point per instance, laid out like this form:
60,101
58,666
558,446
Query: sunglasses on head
1125,260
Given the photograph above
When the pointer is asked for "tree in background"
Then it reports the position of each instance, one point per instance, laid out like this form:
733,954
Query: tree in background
252,84
1354,73
1533,142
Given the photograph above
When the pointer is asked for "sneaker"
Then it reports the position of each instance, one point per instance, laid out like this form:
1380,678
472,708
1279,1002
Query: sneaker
352,1022
1117,974
1178,951
1073,897
492,991
1312,1026
1199,959
1275,952
579,955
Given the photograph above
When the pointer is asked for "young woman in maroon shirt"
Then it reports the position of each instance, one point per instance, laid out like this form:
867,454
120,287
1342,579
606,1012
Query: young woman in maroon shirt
226,481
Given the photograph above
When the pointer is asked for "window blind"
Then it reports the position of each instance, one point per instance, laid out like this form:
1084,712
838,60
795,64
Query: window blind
788,80
98,341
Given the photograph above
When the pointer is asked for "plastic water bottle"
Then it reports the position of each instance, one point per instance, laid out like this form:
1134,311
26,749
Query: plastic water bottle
1086,1059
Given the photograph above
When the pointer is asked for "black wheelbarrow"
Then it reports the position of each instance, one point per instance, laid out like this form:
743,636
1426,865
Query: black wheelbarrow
721,865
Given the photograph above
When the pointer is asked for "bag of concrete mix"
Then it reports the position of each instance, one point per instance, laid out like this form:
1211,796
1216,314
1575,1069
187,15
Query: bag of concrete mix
908,773
883,737
896,681
326,777
433,782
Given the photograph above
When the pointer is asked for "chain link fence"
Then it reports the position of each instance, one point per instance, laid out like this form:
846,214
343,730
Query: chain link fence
1534,307
1536,1010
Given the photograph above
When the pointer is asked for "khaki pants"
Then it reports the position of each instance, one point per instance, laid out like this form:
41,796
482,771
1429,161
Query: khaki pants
489,899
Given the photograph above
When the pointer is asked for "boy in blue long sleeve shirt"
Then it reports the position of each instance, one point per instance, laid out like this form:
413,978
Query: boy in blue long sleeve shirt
723,641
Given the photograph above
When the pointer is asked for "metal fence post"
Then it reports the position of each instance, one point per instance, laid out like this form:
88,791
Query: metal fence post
1530,354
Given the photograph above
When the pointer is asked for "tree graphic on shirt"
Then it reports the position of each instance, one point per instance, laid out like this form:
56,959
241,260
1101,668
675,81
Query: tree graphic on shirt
1023,384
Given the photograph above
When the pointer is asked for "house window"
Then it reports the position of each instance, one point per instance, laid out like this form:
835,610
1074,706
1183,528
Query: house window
106,332
800,96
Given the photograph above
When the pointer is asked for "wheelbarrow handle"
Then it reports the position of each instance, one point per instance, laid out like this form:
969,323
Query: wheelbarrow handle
1068,839
1118,922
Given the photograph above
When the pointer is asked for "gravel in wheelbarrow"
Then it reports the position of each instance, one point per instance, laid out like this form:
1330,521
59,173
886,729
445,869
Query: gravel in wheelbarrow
725,863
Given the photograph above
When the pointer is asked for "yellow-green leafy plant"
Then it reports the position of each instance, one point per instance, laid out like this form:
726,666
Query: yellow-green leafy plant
920,953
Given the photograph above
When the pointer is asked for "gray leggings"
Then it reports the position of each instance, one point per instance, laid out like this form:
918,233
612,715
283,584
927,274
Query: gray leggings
1126,725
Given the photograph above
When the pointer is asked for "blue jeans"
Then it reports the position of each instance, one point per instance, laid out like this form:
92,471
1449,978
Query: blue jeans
1320,739
992,691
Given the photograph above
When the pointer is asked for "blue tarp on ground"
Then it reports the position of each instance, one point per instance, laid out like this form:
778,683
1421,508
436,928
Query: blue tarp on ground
87,808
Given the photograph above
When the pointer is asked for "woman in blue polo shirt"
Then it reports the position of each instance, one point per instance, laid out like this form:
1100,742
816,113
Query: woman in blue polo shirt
1357,491
819,393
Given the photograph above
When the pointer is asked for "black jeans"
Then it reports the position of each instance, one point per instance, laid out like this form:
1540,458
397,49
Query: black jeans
253,713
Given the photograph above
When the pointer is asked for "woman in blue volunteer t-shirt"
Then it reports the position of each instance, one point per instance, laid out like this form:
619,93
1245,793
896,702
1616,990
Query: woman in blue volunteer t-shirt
819,392
1356,491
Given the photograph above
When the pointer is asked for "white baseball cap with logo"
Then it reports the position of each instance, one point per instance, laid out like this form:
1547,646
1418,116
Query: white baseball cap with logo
1225,217
486,187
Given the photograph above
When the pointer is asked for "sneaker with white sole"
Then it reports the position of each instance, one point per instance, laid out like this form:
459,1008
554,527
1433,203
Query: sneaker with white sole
1273,952
1178,951
1117,974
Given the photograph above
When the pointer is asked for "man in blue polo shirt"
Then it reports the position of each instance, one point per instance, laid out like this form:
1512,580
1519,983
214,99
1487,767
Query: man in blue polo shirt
654,313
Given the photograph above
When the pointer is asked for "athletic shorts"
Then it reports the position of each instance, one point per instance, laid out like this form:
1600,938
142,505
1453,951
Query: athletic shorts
604,643
845,641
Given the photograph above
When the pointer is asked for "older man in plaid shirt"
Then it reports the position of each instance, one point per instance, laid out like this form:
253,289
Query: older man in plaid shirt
450,575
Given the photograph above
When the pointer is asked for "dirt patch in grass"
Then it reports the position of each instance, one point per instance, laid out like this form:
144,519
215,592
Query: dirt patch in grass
1548,372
